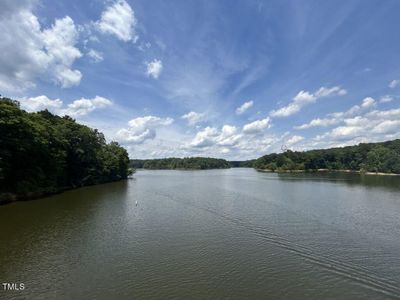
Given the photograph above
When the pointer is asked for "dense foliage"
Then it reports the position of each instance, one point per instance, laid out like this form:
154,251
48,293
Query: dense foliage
371,157
42,153
192,163
242,163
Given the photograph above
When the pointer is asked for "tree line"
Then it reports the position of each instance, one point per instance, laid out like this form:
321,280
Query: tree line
191,163
366,157
43,153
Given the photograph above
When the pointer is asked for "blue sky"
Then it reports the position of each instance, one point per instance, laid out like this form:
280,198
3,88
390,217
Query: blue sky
231,79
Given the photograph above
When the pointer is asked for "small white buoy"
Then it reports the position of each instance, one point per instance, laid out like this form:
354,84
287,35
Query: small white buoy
136,203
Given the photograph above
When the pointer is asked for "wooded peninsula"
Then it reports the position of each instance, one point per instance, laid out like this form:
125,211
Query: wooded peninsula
188,163
42,153
369,157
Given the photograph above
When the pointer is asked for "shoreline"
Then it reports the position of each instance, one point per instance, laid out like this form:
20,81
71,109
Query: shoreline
328,171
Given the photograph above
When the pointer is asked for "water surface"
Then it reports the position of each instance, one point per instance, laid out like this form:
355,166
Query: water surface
213,234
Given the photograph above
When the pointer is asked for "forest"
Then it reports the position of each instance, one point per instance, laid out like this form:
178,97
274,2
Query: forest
369,157
190,163
42,153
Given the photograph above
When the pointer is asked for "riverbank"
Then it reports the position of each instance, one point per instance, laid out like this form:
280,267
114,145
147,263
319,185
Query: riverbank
328,171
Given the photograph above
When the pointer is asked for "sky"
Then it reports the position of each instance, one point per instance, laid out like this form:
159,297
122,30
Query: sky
228,79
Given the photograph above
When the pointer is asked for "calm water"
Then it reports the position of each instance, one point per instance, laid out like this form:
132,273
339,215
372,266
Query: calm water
215,234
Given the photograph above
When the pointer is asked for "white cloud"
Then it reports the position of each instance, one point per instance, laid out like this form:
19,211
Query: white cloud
30,53
338,117
204,138
294,140
77,108
245,106
319,123
154,68
142,129
83,106
368,102
333,91
257,126
211,136
394,83
373,126
386,99
225,150
227,141
119,20
96,56
194,117
228,136
59,42
387,126
304,98
39,103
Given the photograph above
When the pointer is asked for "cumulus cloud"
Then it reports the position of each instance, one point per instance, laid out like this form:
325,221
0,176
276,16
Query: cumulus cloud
77,108
338,117
142,129
39,103
257,126
83,106
119,20
205,137
368,102
59,42
227,137
304,98
394,83
372,126
245,106
232,140
194,117
95,56
30,53
227,141
154,68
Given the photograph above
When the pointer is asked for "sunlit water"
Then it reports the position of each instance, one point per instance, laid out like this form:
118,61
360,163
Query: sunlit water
218,234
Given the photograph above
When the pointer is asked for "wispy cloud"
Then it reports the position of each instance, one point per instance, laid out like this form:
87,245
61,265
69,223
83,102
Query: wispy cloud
154,68
244,107
394,83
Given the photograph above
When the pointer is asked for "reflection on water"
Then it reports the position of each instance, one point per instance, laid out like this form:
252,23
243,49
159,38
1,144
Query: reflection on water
386,181
211,234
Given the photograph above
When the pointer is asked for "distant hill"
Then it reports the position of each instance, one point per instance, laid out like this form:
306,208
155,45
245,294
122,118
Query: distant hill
371,157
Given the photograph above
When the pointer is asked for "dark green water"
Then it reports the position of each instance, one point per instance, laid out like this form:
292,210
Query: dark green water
219,234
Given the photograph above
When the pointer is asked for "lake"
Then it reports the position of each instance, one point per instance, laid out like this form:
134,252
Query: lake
215,234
